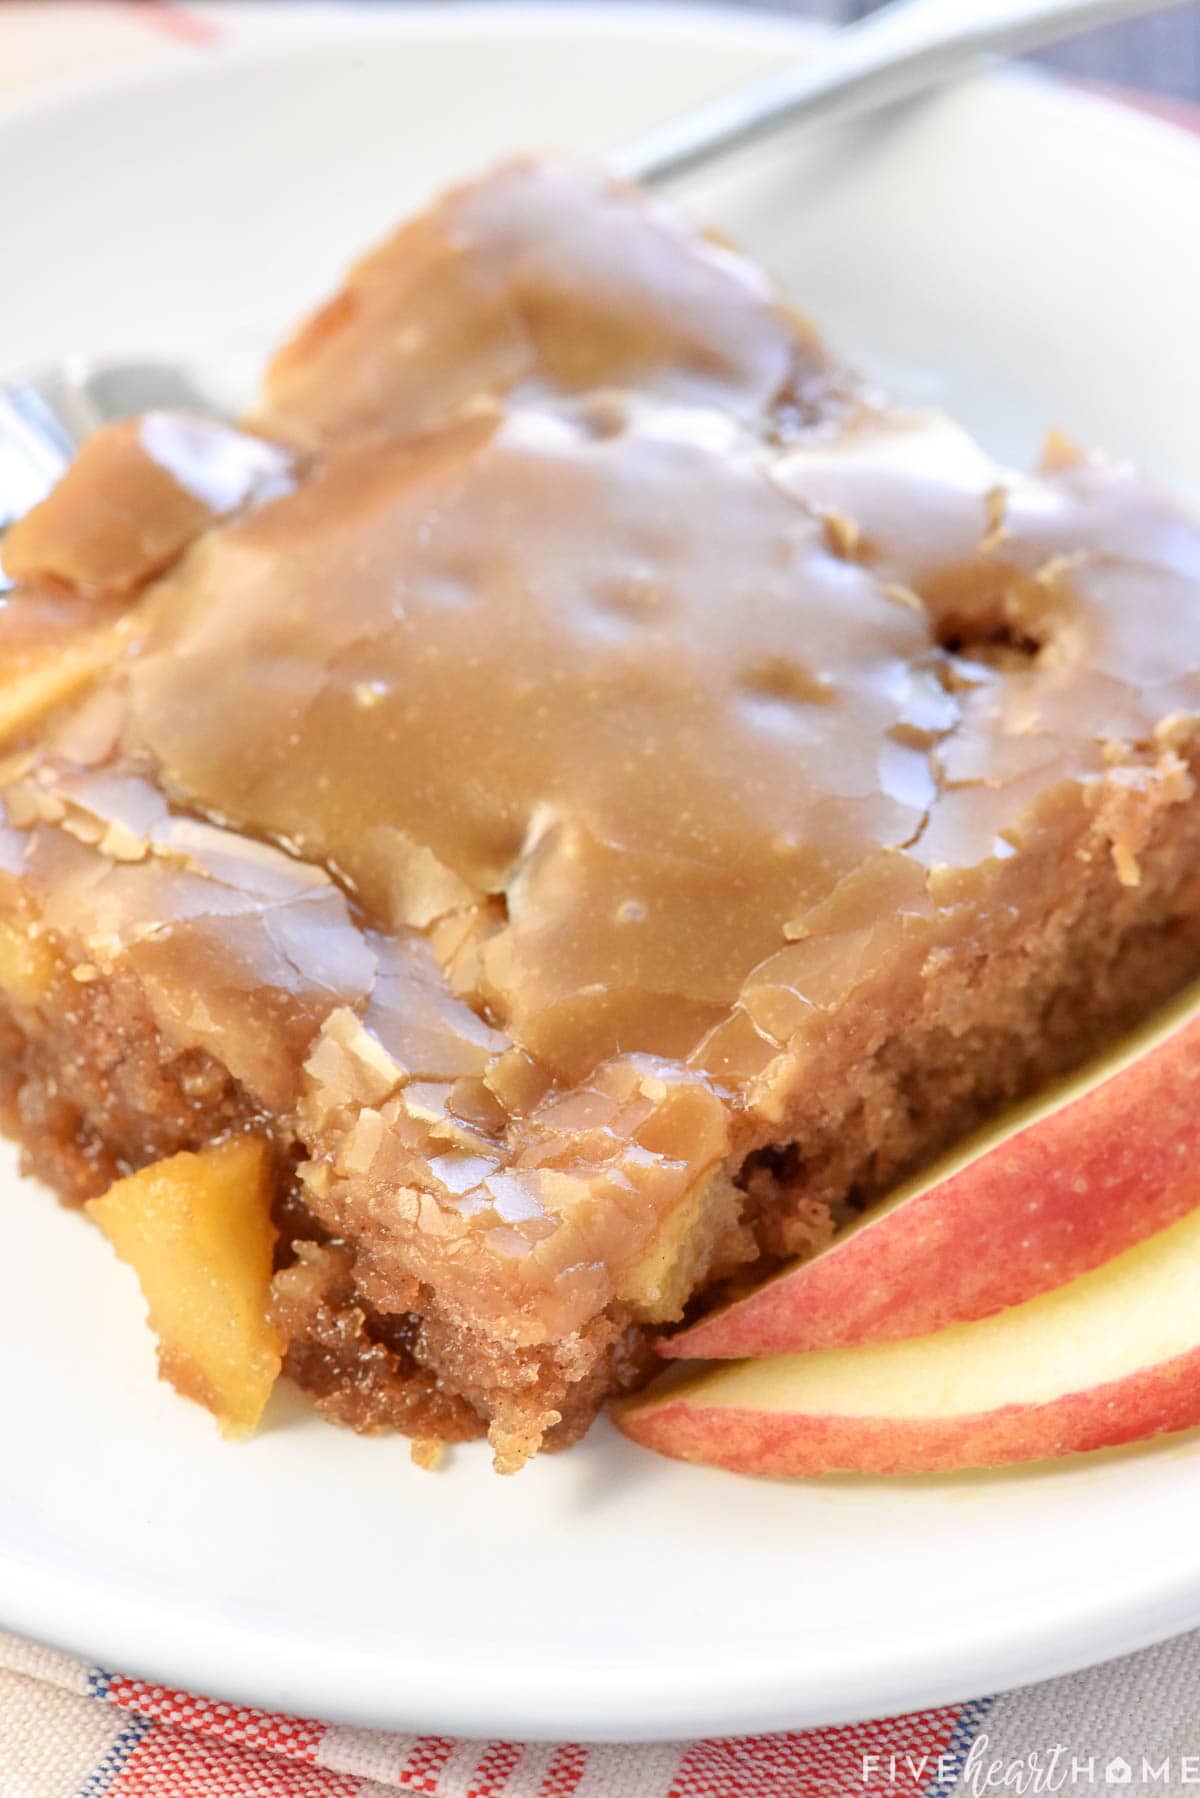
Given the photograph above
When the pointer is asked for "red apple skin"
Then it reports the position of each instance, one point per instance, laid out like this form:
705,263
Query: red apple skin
1074,1187
1150,1402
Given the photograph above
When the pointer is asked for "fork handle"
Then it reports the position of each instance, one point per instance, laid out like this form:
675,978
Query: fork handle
892,55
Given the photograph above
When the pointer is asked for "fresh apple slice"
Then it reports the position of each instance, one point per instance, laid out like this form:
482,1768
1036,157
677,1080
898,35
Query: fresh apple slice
1061,1184
1112,1357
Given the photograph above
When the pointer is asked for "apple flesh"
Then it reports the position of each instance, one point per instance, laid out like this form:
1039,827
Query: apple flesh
37,684
1061,1184
1112,1357
197,1231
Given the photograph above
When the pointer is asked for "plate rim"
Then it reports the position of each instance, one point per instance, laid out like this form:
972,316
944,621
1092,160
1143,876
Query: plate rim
356,21
1025,1653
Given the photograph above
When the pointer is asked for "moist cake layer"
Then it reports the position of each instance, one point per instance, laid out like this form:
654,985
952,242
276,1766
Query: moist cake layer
602,790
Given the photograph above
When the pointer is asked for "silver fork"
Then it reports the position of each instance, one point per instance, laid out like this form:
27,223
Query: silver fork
896,53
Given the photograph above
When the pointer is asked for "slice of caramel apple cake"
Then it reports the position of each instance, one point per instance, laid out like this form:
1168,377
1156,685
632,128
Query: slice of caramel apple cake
590,791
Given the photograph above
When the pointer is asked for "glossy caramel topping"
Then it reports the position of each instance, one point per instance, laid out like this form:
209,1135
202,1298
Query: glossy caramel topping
240,949
630,730
137,494
693,725
539,281
602,709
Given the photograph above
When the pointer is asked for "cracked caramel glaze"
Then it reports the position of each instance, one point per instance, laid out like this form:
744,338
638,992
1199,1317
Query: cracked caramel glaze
659,745
627,685
615,695
539,282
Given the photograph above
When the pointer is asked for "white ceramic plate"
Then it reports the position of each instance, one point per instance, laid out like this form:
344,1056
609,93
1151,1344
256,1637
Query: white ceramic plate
1020,252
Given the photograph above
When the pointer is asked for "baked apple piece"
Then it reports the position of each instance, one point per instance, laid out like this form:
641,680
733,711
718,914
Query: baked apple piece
26,965
197,1231
43,678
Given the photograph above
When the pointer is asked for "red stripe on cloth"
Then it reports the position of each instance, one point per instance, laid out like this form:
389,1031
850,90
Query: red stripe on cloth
181,1763
493,1770
420,1771
177,21
291,1738
564,1772
895,1758
497,1765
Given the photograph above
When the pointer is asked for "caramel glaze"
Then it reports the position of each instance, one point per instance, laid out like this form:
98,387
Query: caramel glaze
615,694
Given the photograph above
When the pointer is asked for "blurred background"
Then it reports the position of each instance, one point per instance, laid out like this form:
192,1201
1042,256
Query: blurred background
1162,54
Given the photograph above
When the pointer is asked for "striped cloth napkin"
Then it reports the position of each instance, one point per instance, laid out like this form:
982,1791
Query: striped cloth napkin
72,1731
68,1730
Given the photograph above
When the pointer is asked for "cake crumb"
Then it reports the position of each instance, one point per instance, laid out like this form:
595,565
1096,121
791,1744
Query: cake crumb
996,506
428,1453
1129,872
902,595
841,534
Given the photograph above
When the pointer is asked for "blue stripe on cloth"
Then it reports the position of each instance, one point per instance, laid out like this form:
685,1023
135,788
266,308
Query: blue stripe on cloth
959,1746
101,1778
